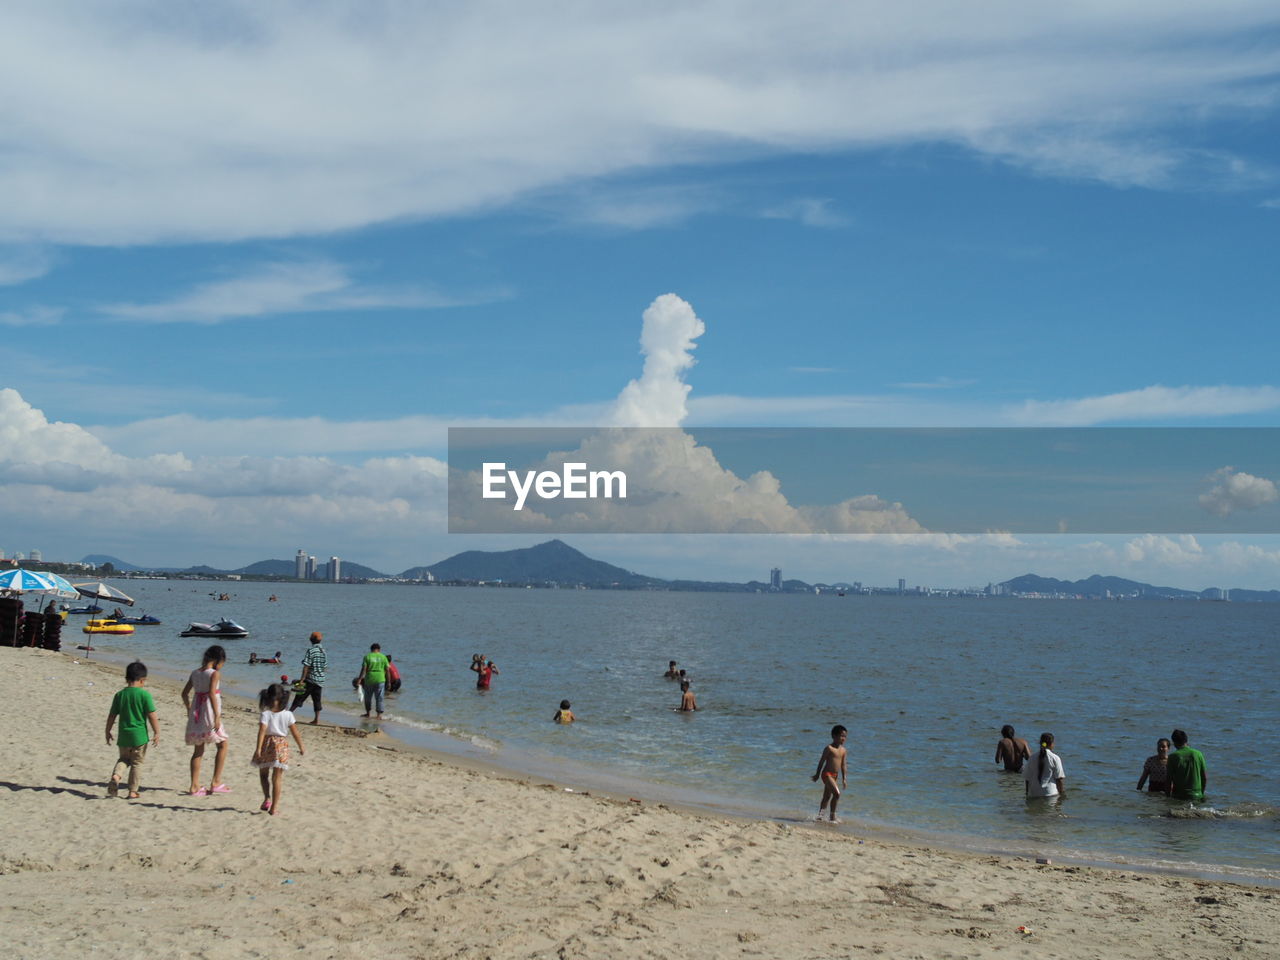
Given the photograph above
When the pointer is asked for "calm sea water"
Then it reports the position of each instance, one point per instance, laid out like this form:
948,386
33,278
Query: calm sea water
922,684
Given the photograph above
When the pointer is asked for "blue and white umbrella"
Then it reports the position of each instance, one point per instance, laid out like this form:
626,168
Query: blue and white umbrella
34,581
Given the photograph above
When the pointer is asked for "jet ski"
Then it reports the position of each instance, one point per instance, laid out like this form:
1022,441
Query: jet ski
146,620
223,628
94,608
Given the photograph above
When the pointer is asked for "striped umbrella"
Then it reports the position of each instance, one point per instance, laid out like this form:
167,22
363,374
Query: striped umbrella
34,581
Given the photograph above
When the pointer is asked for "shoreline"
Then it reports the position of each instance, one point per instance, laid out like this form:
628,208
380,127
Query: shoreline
430,858
447,749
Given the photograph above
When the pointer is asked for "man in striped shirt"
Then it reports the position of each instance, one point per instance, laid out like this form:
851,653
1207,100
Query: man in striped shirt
313,664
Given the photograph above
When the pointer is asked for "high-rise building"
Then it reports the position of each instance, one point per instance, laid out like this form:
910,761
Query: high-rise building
311,568
775,578
335,569
36,556
902,585
300,564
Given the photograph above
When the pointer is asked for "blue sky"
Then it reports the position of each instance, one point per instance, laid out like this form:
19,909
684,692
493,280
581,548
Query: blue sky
256,261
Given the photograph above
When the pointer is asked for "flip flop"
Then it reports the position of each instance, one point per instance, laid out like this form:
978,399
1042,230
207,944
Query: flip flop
113,788
266,805
202,792
221,788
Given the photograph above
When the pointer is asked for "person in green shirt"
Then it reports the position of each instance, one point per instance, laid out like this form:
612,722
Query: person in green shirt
373,674
1187,778
135,708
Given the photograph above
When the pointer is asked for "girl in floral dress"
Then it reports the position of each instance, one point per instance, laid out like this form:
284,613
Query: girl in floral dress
203,701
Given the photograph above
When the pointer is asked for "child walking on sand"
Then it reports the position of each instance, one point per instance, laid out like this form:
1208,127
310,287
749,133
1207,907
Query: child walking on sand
271,755
135,708
831,763
204,719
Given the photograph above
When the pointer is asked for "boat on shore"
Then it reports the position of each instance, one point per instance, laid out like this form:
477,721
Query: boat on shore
226,629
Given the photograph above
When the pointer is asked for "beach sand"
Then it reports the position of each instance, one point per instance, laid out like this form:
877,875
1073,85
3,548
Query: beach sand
383,851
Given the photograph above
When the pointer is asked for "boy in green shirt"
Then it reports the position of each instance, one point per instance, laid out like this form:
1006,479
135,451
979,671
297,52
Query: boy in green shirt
135,708
1187,775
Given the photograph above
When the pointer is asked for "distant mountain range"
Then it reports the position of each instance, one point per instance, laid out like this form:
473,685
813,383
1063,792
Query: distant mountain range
1099,586
557,563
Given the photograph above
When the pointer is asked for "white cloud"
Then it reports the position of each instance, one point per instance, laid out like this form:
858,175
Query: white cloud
1149,403
36,316
657,398
274,288
675,485
64,477
281,119
1236,490
810,211
20,264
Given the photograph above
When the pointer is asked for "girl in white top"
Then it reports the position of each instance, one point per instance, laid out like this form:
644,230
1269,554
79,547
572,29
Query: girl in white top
1043,771
271,756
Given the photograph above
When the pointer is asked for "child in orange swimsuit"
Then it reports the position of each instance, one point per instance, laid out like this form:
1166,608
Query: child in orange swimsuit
831,763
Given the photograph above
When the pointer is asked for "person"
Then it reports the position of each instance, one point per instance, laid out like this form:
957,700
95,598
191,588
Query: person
1187,776
1012,750
117,614
204,719
275,659
688,702
833,762
51,607
373,674
313,663
253,658
485,672
1043,772
271,755
1155,772
564,714
136,709
672,673
393,676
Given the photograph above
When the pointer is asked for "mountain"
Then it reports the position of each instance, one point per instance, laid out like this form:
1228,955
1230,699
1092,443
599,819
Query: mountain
550,562
1098,586
98,559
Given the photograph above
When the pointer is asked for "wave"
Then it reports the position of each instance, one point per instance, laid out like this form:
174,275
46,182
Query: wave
1235,811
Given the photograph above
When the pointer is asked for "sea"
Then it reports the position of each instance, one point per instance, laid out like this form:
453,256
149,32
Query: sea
923,685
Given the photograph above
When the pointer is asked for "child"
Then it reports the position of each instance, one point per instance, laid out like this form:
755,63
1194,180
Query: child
204,719
688,702
832,762
135,708
564,714
485,672
672,673
271,756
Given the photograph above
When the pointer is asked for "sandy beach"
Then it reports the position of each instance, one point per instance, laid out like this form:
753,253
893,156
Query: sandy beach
384,851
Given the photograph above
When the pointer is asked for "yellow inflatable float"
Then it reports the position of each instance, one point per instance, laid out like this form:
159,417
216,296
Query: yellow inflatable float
107,626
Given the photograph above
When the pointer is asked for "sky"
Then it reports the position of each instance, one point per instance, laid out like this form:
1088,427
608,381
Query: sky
256,259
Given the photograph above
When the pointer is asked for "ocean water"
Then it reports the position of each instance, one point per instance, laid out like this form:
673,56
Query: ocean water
922,684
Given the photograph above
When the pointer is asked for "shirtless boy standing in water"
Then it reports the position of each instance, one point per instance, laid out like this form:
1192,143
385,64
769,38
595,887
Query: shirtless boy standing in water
1012,750
831,763
688,702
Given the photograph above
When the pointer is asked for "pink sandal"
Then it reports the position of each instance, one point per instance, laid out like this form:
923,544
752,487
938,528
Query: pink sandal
266,805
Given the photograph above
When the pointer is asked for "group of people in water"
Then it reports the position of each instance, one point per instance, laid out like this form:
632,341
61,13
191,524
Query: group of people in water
1175,769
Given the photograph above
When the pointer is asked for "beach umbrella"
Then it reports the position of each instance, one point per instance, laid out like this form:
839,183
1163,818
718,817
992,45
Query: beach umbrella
103,591
34,581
